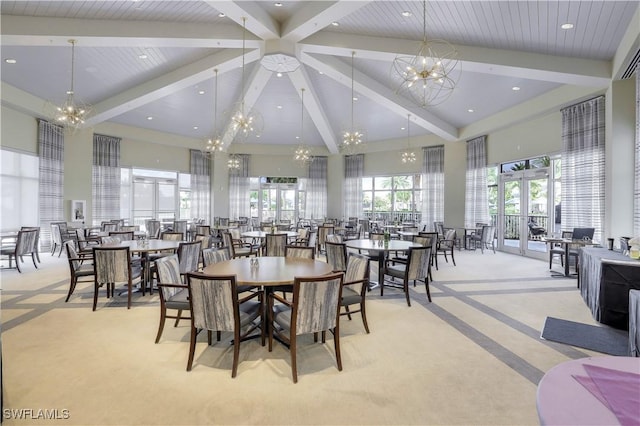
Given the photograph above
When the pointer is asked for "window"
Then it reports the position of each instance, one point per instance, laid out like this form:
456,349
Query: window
492,192
20,180
392,198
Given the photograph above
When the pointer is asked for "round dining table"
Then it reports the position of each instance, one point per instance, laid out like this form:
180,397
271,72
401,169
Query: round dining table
269,271
381,248
263,234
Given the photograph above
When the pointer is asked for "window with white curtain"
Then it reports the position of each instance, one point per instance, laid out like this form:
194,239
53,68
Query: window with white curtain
19,183
432,186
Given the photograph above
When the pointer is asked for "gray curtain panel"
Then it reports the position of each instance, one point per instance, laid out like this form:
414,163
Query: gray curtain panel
106,178
51,152
636,191
353,172
476,206
239,188
583,135
200,185
317,188
432,185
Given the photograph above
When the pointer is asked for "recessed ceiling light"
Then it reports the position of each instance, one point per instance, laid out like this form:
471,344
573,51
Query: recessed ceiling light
335,23
355,98
257,136
277,4
201,92
10,61
142,56
297,137
149,118
402,128
406,13
320,72
515,88
221,15
566,26
470,110
279,107
195,127
279,74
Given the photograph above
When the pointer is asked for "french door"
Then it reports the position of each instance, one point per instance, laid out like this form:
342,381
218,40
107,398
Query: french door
154,198
279,202
523,212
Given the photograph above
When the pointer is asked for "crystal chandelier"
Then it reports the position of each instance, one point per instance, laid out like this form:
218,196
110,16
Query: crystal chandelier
233,163
71,113
302,154
353,137
245,123
430,76
408,156
214,143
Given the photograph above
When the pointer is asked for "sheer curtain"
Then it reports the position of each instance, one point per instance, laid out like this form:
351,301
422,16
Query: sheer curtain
432,185
353,171
317,188
582,180
106,178
200,185
476,206
636,192
51,152
239,189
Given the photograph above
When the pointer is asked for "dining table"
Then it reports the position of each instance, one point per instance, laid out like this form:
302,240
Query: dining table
566,243
381,248
143,248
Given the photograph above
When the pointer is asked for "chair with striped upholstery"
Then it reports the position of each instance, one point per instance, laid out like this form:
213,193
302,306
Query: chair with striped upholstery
173,293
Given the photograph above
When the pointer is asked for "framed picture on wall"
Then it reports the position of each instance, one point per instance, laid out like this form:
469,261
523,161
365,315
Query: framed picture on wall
78,209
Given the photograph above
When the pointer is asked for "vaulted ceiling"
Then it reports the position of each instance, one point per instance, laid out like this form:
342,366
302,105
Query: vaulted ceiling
151,64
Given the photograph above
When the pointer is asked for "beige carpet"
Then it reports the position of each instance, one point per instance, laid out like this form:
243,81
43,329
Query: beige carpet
473,356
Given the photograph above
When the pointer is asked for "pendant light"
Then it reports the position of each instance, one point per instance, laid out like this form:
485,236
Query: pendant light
352,137
72,113
408,156
302,154
214,143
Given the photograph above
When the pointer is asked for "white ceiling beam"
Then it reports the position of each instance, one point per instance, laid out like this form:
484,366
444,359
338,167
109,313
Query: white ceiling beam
384,96
253,89
300,79
259,22
35,31
532,66
169,83
628,47
317,16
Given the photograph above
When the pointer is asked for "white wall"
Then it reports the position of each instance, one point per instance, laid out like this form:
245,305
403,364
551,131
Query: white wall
18,131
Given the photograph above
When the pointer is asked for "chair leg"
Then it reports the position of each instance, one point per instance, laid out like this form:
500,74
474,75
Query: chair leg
72,287
178,317
95,295
426,284
294,365
346,308
236,351
129,292
406,291
192,347
34,260
336,342
453,259
163,316
363,313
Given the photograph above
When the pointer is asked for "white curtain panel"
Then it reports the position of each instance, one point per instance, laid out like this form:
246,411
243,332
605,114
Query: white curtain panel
51,152
583,135
636,192
239,189
353,172
317,188
432,185
476,206
106,178
200,185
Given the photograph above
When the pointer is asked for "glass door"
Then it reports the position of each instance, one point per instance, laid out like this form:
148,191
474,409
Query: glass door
279,202
523,218
154,198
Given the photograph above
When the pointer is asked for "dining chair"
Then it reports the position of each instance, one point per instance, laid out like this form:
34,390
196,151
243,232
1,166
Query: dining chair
446,245
181,227
58,238
302,237
173,292
84,244
313,309
416,269
153,229
484,238
425,241
77,268
558,249
214,255
434,246
336,256
333,238
323,231
189,257
25,245
216,306
300,252
122,235
275,244
203,230
109,226
237,248
111,266
355,286
36,244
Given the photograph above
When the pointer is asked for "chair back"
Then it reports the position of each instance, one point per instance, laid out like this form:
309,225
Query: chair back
56,236
168,271
365,225
376,236
336,256
323,231
122,235
26,242
449,239
153,228
582,233
424,240
180,226
333,238
419,259
211,255
33,228
300,251
275,244
172,236
204,240
62,226
439,228
316,303
203,230
111,264
357,273
235,234
214,302
189,256
109,226
72,255
488,233
313,238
